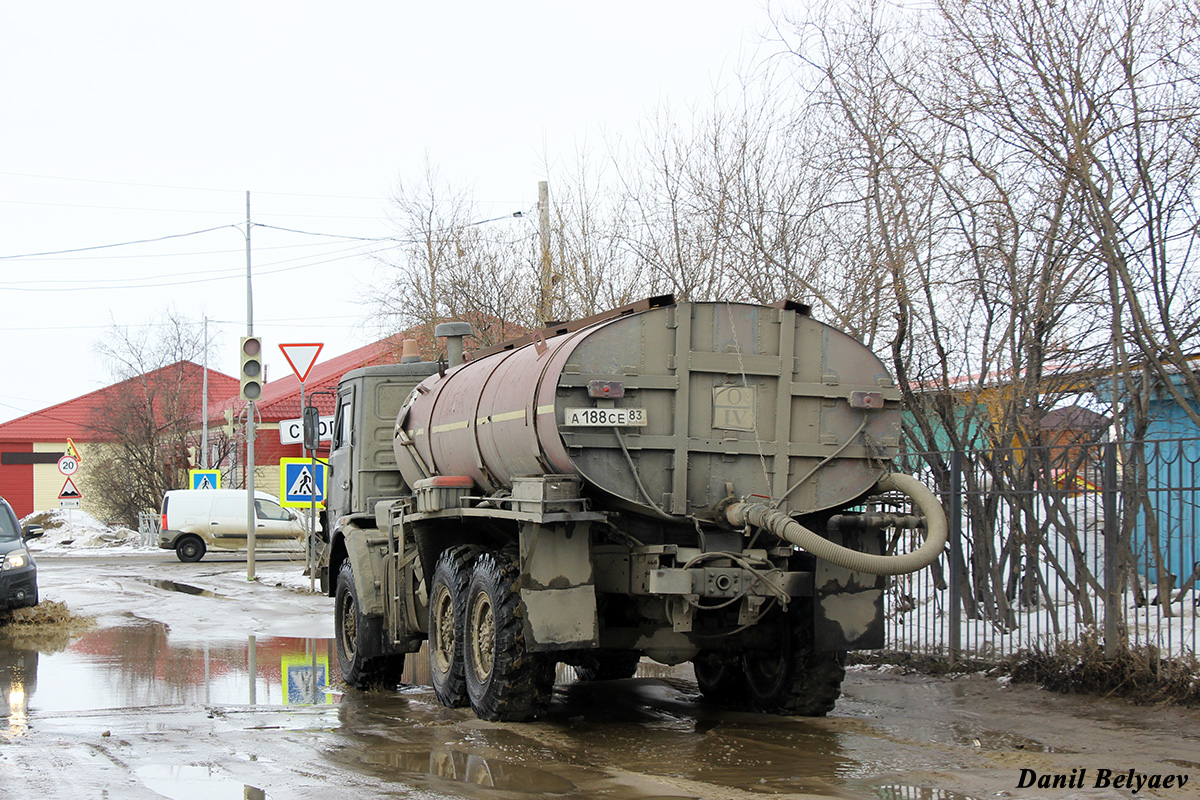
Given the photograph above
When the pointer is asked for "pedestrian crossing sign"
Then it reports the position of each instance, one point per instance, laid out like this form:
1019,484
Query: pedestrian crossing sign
204,478
299,483
305,679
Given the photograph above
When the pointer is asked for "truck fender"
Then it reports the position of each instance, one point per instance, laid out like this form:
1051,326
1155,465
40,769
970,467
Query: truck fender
368,560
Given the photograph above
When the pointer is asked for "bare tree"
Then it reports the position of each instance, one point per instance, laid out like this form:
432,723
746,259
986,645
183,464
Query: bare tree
149,421
451,265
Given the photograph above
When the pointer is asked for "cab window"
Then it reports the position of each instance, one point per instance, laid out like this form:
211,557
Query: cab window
343,425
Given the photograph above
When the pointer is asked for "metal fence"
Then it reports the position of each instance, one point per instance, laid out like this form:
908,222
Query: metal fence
1057,544
148,528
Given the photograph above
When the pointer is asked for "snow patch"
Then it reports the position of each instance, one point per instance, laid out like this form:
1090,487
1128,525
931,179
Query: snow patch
68,530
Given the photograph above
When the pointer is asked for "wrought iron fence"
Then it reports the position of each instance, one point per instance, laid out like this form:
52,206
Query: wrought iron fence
1054,544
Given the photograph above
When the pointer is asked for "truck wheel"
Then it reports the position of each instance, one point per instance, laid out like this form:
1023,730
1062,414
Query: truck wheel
189,549
447,612
607,665
720,677
794,678
360,639
505,682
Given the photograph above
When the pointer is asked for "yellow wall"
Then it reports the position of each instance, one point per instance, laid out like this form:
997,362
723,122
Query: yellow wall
47,480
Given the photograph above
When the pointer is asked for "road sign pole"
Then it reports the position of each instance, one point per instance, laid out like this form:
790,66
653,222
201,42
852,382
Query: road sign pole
312,503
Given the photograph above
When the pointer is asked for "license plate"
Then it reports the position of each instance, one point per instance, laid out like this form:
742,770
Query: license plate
605,417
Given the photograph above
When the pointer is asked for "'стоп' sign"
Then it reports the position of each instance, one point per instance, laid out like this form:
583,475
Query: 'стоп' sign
291,431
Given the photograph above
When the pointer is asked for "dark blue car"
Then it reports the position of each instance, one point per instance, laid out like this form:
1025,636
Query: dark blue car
18,573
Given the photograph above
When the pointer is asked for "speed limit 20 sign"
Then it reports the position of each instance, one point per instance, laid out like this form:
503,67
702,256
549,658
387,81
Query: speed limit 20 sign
68,465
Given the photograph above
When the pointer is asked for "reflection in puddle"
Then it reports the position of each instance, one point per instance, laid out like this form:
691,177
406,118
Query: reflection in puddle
917,793
461,767
18,679
196,782
135,666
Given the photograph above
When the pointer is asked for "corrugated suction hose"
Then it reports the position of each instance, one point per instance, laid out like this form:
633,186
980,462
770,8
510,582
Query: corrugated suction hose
786,528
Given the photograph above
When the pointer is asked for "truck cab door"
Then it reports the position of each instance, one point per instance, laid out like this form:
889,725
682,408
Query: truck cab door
337,492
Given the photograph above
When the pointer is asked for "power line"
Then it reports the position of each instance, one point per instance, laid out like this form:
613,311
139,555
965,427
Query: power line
125,283
332,235
274,321
234,274
213,274
258,248
116,244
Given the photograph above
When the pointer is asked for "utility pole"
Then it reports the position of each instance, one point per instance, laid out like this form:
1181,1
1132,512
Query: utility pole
204,403
546,280
250,521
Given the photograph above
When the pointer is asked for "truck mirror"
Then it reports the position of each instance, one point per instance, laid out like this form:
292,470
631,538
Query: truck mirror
312,428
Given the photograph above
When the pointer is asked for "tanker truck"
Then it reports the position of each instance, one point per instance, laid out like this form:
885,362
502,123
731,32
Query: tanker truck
679,481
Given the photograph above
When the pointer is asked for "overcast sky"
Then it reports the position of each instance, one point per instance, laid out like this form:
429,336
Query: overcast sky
126,122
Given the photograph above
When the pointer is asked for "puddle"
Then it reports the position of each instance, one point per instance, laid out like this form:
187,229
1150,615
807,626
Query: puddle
462,767
1003,740
917,793
135,666
655,728
196,782
184,588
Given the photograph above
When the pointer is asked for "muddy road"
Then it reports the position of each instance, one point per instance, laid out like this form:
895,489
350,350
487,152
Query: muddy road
198,684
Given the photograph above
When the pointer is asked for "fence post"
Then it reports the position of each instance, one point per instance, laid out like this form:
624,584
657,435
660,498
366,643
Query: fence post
1112,604
956,503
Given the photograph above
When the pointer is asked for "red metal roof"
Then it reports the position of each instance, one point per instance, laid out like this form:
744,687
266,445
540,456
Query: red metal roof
73,418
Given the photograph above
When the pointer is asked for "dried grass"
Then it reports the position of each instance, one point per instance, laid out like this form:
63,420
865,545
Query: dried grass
1139,674
47,626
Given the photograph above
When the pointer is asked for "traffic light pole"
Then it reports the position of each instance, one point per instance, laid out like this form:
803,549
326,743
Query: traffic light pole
251,376
250,520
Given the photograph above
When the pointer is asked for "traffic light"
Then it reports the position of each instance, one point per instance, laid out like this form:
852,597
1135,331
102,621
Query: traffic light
251,371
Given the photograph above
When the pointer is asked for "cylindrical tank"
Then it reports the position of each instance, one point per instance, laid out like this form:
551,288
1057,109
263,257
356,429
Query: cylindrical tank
667,411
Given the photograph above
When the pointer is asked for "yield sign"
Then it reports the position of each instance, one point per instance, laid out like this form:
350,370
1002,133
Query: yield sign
69,492
301,357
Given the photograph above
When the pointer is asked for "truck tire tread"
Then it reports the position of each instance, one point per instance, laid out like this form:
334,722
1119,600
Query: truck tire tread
796,679
359,639
453,570
519,684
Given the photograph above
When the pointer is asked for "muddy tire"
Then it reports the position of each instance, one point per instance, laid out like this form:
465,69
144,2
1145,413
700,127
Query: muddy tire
794,679
359,639
607,665
189,549
505,682
720,677
447,614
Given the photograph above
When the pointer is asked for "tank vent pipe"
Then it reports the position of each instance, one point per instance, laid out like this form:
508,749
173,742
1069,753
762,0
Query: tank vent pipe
454,333
786,528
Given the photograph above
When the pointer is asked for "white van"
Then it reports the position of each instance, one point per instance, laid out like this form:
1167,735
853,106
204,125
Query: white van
195,520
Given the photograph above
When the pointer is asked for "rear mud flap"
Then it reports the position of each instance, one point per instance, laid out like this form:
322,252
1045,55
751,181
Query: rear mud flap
849,605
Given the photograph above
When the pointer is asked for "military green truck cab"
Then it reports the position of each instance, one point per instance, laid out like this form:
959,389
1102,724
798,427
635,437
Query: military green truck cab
362,461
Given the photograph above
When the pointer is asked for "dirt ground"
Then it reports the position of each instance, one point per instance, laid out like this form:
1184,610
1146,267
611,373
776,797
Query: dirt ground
185,694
